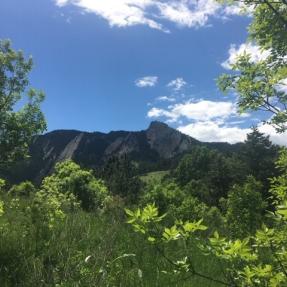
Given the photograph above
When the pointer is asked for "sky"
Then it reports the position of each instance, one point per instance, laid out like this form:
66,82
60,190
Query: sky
119,64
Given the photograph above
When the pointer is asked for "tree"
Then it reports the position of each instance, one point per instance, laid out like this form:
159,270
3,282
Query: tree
70,179
258,260
18,126
260,155
206,173
245,208
165,196
269,27
195,165
120,175
262,85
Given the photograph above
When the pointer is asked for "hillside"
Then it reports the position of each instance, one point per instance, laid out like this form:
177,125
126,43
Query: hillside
155,148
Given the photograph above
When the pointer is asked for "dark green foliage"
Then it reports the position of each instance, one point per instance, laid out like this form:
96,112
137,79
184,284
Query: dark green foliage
259,156
165,196
120,175
206,173
245,208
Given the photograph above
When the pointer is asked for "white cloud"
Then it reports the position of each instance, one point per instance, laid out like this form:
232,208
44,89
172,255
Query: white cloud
209,131
177,84
212,121
166,99
148,81
239,8
188,13
156,113
277,138
199,111
123,13
204,110
256,54
119,13
61,2
282,86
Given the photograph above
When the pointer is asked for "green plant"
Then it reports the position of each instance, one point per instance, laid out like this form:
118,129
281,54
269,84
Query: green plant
259,260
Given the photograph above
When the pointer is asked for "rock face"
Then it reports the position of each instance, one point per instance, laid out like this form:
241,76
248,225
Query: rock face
158,143
167,142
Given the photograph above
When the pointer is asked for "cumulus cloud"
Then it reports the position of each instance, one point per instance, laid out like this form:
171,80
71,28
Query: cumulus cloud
239,8
201,110
256,54
188,13
210,131
211,121
177,84
277,138
123,13
148,81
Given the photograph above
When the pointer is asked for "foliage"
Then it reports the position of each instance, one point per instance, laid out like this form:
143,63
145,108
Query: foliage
259,84
259,260
2,185
17,126
259,156
68,178
154,177
245,208
120,175
25,188
268,28
179,203
206,173
166,196
49,206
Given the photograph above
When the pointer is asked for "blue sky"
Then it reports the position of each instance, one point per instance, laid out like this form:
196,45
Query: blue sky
118,64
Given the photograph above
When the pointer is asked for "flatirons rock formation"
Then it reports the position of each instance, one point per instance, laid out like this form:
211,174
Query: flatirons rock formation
158,143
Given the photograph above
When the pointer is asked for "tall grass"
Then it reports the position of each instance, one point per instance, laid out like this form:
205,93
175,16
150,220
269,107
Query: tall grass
89,249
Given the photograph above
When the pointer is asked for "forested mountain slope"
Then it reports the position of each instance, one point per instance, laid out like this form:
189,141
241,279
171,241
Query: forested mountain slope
158,147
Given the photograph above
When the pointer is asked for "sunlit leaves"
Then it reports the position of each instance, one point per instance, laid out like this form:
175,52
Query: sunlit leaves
258,84
258,260
17,126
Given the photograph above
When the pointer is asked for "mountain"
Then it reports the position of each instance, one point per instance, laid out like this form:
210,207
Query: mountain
154,148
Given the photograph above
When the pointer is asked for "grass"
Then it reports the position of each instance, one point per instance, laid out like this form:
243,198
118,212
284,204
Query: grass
88,249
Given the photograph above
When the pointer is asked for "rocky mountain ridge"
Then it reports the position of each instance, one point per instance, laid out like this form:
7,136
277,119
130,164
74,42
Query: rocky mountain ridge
157,143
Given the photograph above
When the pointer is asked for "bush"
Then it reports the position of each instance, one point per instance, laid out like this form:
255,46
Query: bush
25,188
69,178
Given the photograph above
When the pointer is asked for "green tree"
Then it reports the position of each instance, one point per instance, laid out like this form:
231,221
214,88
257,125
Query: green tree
262,85
259,155
245,208
120,175
69,178
206,173
255,261
18,126
166,196
195,165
